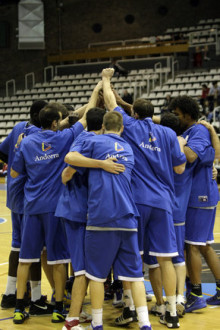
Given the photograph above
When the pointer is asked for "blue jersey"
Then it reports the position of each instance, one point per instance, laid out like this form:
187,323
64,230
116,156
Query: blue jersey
110,200
204,192
156,151
72,204
40,157
15,187
199,141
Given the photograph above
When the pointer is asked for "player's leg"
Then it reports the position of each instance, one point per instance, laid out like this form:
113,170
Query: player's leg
197,231
9,297
180,268
75,239
32,242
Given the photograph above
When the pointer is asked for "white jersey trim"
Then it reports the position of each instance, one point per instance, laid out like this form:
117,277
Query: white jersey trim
57,262
179,264
153,266
109,228
80,272
130,279
156,254
94,278
29,260
15,249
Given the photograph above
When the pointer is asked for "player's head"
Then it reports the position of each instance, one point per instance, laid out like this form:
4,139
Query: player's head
94,118
172,121
35,110
113,121
69,107
143,108
50,116
187,110
64,111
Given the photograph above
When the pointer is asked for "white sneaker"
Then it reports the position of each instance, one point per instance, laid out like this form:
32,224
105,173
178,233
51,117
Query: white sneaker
85,317
158,310
149,296
118,300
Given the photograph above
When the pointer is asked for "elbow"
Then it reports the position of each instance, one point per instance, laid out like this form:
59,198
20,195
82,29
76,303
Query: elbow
13,173
68,159
180,169
191,159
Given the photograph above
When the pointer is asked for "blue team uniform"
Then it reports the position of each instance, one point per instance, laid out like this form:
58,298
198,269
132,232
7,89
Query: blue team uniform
72,207
156,150
111,232
40,157
200,216
15,187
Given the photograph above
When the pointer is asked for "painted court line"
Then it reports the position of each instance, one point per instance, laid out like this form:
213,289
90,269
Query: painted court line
7,318
4,263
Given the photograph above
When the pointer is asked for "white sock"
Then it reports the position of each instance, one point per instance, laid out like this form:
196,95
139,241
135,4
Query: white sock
35,290
11,285
97,317
180,299
171,306
143,318
69,319
129,300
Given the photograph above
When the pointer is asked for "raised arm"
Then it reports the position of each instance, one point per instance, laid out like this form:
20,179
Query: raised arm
109,96
126,106
92,102
109,165
79,112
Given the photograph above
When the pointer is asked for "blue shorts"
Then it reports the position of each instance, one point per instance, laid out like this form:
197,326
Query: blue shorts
151,261
17,227
40,230
199,226
156,233
75,232
180,236
104,249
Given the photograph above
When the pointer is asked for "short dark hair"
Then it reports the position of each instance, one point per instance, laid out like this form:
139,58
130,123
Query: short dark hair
35,110
69,106
113,121
144,108
171,121
187,105
94,118
64,111
49,113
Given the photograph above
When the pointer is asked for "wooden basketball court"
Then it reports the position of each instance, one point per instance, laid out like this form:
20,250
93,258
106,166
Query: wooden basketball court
208,318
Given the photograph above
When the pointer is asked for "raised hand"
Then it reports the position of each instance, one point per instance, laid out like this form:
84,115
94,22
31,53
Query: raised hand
107,73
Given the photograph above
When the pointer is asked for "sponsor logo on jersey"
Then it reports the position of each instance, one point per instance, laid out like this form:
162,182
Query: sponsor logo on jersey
46,146
118,147
46,157
149,146
203,198
118,156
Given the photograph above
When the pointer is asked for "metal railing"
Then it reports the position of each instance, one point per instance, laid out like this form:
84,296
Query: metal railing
12,81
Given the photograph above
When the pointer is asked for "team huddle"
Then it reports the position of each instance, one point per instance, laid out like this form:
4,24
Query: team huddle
114,190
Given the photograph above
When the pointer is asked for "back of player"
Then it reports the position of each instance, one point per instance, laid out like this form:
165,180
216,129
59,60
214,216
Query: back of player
157,152
111,232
